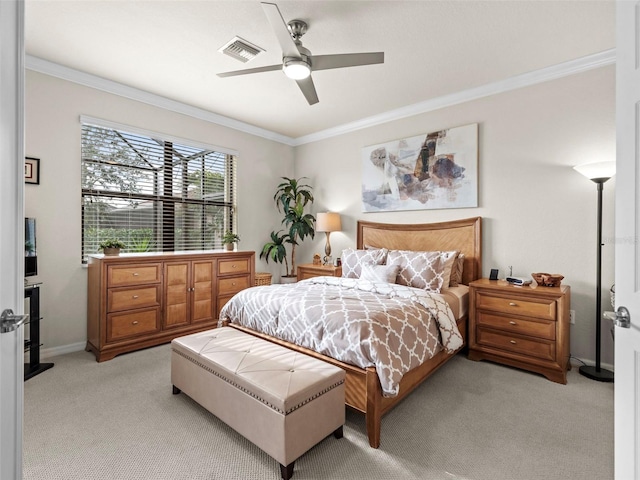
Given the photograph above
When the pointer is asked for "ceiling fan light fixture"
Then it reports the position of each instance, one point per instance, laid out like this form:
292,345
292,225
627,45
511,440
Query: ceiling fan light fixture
296,69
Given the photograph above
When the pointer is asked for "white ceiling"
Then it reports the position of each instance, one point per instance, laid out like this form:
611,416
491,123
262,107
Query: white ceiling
432,49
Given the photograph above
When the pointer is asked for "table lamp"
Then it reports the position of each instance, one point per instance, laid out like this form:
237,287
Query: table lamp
328,222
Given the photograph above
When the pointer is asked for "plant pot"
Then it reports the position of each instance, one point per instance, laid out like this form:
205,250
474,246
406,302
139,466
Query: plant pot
288,279
111,251
228,247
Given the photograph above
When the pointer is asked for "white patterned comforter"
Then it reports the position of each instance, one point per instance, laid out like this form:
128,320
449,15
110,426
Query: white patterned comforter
391,327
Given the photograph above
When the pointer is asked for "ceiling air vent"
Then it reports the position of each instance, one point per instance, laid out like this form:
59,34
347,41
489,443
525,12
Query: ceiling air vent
240,49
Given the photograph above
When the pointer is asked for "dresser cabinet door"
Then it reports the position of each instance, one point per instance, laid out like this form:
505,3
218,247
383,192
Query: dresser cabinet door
177,310
202,291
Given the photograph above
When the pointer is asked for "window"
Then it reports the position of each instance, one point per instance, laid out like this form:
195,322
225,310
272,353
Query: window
154,194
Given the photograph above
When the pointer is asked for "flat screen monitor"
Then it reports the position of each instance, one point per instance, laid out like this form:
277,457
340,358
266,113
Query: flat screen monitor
30,252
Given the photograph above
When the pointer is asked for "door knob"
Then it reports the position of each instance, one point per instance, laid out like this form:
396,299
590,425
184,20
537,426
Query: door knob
621,317
10,322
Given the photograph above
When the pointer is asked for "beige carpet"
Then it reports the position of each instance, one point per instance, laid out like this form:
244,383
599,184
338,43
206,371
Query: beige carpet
470,421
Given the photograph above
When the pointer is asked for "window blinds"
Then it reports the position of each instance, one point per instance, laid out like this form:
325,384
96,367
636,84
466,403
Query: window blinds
153,194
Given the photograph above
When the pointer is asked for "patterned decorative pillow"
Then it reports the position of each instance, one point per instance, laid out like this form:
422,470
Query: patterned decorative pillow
352,260
456,271
420,269
379,273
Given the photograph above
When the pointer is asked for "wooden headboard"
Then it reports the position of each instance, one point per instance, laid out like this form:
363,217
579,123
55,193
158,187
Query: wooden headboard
463,235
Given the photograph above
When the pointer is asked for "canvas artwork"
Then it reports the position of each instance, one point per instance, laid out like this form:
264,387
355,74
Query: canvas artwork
435,170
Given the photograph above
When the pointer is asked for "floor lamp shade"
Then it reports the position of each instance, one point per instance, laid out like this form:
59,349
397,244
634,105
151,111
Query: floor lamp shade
328,222
599,173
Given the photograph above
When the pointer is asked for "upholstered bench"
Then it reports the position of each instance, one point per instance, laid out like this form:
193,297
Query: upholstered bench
283,401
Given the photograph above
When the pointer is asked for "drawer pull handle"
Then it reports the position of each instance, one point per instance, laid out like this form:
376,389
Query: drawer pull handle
233,284
512,322
512,341
136,274
135,296
513,304
233,266
135,322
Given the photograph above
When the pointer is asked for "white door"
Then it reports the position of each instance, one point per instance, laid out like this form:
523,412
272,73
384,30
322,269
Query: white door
11,232
627,340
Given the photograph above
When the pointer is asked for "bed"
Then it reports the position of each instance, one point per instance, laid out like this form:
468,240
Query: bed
365,392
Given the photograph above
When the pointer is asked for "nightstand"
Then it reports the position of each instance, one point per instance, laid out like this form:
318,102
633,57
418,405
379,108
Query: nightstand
521,326
309,270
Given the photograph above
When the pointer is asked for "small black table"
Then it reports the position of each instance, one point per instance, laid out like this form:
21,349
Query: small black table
34,367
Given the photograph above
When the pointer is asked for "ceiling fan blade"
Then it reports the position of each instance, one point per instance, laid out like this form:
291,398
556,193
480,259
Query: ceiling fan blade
308,90
247,71
289,48
326,62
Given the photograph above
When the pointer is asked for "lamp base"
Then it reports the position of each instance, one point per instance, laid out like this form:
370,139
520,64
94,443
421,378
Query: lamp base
602,375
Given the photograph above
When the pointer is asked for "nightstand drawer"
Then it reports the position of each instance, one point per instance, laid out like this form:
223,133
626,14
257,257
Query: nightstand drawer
542,328
530,307
512,343
310,270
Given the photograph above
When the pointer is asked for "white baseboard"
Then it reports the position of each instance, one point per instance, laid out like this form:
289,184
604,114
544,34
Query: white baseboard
55,351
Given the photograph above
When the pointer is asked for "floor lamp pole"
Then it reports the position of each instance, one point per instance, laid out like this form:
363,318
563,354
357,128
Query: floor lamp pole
596,372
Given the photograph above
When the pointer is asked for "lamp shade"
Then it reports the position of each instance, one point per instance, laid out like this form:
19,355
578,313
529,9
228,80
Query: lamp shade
328,222
598,170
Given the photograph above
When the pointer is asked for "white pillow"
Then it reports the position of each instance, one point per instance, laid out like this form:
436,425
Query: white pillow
379,273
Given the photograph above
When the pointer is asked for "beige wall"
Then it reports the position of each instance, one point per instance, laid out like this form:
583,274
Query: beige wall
53,109
539,214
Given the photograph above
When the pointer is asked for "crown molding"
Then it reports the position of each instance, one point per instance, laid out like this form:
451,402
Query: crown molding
572,67
565,69
56,70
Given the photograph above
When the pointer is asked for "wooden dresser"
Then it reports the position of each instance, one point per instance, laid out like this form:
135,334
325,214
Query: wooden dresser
522,327
140,300
309,270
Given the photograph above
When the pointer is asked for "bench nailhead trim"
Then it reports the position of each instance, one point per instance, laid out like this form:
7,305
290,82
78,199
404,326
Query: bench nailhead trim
260,399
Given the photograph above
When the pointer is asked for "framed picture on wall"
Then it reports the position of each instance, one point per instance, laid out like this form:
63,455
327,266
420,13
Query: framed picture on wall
32,170
438,169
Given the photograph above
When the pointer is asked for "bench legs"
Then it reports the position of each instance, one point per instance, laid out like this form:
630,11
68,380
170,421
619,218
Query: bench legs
176,390
287,472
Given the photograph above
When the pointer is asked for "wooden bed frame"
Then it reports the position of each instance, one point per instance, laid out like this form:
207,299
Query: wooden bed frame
363,391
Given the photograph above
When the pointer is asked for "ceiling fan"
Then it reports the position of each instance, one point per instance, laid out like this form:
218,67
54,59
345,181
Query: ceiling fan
297,61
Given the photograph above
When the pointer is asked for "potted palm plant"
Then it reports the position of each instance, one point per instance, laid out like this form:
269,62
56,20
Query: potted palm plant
291,197
229,239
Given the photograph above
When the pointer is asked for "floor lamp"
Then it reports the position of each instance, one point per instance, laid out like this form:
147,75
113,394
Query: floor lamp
328,222
599,173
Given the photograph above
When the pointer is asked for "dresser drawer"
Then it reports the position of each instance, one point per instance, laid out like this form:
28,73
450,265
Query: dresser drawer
227,286
130,298
124,325
530,307
541,328
512,343
230,267
124,275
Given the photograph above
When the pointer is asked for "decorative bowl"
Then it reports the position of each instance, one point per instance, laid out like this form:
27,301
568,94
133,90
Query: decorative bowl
547,279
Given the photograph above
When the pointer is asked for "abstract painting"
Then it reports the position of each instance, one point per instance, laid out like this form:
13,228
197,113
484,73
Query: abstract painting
430,171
